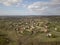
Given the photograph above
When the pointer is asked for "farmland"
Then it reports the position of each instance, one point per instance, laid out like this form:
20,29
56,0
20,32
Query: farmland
30,30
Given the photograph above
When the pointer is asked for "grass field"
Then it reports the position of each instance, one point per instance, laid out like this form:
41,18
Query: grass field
33,30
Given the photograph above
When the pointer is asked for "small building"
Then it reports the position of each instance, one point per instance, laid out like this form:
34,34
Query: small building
49,35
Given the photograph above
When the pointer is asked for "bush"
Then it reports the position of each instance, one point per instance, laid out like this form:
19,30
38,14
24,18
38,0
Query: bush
3,39
52,36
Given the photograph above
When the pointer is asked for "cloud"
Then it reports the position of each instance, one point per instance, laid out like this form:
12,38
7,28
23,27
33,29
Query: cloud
56,1
44,8
9,2
38,6
14,12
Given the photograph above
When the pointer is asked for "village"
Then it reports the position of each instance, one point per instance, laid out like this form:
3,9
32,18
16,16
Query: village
25,30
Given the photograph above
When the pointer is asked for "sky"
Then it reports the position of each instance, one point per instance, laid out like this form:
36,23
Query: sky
29,7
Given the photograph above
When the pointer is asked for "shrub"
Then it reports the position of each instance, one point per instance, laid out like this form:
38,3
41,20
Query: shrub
51,35
3,39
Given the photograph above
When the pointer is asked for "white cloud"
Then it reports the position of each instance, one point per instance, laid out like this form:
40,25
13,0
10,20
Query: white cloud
15,12
56,1
52,7
9,2
38,6
21,5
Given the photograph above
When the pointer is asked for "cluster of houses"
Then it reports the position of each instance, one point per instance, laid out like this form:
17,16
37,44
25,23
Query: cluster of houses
33,27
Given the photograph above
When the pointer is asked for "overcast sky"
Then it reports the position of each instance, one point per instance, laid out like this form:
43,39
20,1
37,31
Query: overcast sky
29,7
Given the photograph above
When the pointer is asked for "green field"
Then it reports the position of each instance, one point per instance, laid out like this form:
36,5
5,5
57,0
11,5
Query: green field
30,30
